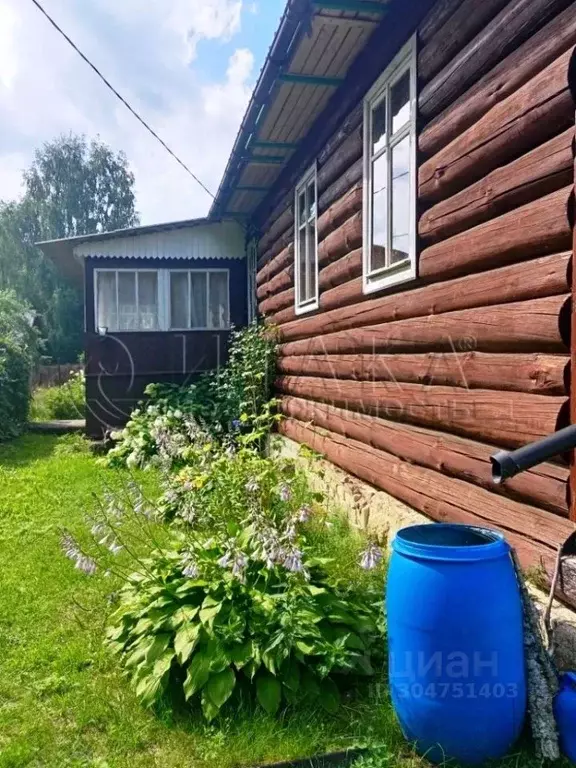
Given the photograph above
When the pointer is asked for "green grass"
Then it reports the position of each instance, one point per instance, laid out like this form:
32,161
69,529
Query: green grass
61,401
63,702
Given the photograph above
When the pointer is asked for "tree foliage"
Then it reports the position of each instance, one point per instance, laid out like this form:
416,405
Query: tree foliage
73,187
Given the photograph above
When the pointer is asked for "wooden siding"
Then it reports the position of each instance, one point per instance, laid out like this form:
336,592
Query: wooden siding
412,388
120,365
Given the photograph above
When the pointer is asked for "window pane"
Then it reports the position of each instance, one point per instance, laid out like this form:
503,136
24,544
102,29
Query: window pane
106,316
312,276
148,300
302,266
401,201
179,301
218,309
301,208
379,212
400,102
379,126
199,310
127,309
311,199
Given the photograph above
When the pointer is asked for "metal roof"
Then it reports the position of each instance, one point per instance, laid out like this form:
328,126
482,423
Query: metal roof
68,253
310,56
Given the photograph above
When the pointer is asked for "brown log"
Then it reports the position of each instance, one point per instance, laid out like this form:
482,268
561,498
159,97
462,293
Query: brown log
434,494
341,210
544,486
533,56
542,171
341,159
573,381
533,114
534,229
345,129
275,303
534,279
346,238
537,374
342,270
277,228
509,29
436,18
280,282
335,191
283,242
539,325
468,19
277,264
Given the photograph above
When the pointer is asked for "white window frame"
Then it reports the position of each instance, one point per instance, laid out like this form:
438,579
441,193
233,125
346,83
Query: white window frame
376,279
163,297
301,307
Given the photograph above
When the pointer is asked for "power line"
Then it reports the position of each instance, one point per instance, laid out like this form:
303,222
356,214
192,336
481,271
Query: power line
122,99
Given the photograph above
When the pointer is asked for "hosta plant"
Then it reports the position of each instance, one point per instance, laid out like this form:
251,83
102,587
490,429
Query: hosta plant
245,630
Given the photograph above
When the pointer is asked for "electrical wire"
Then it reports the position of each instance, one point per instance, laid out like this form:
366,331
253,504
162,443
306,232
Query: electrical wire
122,99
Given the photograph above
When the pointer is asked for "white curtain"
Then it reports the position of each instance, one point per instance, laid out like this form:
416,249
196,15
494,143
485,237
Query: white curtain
198,297
148,301
218,309
127,305
106,300
179,301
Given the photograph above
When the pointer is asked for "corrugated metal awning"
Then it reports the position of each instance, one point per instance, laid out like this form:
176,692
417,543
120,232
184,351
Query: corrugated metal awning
312,52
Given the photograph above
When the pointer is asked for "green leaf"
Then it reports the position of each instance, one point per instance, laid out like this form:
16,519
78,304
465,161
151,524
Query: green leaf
240,655
150,690
291,674
158,646
329,696
220,686
185,641
162,665
209,709
198,674
183,615
268,693
207,615
309,684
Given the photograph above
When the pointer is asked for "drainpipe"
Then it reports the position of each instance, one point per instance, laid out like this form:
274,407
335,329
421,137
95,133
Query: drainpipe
506,464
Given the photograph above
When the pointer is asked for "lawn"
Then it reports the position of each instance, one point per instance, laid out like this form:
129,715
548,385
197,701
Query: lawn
63,701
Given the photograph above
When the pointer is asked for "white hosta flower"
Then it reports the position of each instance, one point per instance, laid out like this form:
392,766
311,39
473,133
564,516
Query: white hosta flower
371,558
304,514
285,493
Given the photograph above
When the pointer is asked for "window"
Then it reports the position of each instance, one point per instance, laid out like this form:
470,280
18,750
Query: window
199,299
127,300
162,299
389,246
306,249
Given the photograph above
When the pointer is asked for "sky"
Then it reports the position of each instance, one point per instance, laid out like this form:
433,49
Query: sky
187,66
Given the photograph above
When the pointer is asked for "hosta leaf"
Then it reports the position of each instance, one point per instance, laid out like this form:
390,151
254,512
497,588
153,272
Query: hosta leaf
183,615
144,625
268,692
138,652
207,615
329,696
209,709
150,689
198,674
251,668
163,664
185,641
158,646
241,654
291,674
306,648
220,686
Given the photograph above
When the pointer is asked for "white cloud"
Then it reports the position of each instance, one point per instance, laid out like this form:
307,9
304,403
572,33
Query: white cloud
143,48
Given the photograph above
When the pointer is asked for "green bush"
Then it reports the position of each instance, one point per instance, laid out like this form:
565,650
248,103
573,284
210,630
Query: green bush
63,401
18,349
232,400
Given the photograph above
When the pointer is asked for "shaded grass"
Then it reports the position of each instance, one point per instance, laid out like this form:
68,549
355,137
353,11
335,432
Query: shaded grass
63,702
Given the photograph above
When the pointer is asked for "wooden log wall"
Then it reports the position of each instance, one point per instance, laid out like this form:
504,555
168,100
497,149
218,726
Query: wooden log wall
412,388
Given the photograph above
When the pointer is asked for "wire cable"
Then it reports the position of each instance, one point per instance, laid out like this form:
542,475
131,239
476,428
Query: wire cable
122,99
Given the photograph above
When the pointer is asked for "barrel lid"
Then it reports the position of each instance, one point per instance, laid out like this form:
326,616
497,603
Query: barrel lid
450,542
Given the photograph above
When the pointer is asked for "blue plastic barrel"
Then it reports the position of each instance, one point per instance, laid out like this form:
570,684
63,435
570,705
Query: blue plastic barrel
565,711
456,642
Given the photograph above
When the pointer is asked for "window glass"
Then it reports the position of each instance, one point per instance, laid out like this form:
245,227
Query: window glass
306,256
106,315
218,307
148,301
401,201
198,299
379,126
400,102
379,213
179,300
127,306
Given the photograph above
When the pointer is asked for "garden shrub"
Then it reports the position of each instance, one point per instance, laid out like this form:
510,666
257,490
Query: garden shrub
18,349
62,401
231,601
231,400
